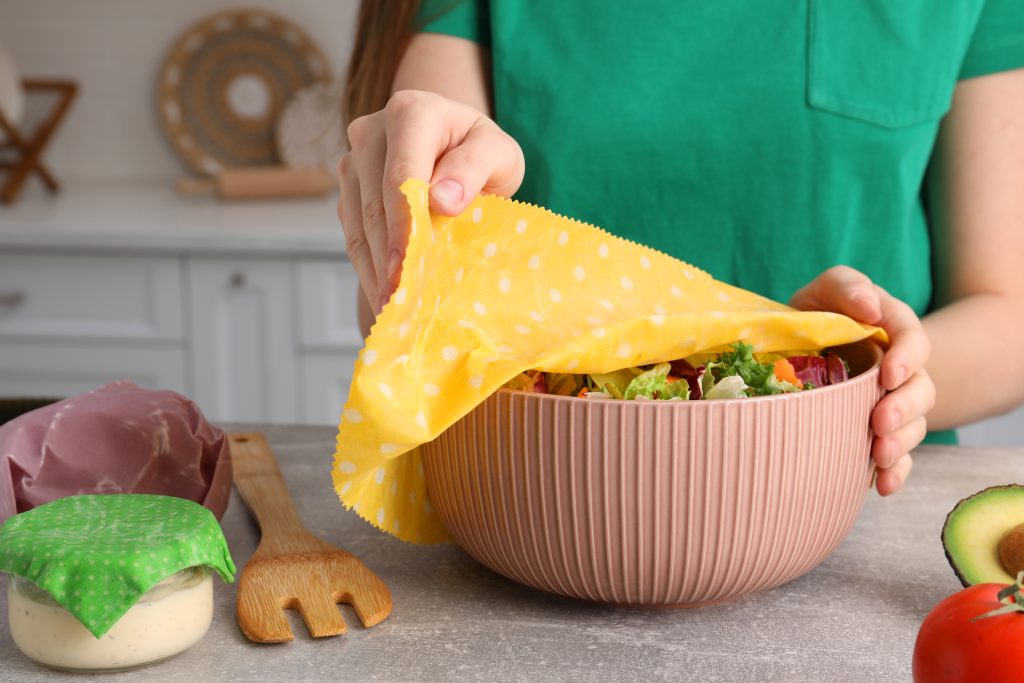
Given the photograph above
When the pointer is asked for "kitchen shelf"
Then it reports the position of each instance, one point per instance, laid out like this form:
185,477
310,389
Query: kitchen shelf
132,217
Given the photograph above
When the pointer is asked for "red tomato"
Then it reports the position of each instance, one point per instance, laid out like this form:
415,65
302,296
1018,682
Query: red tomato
952,647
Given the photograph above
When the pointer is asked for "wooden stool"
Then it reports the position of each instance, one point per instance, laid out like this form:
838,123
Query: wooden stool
28,147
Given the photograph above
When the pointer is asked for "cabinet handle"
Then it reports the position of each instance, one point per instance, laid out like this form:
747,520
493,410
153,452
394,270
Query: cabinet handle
237,280
12,299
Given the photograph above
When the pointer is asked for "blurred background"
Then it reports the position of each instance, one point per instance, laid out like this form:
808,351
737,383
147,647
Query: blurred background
245,305
146,114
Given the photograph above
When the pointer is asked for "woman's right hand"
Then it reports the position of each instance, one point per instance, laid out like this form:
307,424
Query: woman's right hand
456,148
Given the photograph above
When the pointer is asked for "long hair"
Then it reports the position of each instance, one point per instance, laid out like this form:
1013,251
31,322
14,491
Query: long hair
383,30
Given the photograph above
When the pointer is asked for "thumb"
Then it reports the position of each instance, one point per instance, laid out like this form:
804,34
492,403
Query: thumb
843,290
487,160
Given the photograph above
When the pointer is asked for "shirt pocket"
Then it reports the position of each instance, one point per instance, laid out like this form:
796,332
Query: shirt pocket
891,63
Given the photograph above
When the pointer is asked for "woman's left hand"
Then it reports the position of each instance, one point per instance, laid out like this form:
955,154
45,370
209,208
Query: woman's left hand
899,418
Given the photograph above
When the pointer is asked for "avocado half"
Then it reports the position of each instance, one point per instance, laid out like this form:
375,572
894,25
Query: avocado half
974,529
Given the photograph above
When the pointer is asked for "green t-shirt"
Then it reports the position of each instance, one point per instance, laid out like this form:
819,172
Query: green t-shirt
761,141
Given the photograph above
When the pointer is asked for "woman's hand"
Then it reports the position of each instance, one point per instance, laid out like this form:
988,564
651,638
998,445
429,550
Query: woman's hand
899,418
458,149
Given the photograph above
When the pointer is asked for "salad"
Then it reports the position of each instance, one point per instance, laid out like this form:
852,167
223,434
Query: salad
735,373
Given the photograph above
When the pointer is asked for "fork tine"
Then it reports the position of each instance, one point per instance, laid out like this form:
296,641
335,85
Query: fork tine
369,597
321,616
261,617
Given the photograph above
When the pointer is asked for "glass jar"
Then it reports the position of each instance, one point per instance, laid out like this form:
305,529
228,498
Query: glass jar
168,619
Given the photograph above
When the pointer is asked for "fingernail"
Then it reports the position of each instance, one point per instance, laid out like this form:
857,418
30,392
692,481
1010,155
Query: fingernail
900,374
895,421
394,263
449,192
892,455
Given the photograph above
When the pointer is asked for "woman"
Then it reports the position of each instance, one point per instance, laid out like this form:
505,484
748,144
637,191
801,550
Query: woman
859,156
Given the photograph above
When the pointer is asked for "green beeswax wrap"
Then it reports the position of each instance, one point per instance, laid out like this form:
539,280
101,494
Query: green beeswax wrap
96,555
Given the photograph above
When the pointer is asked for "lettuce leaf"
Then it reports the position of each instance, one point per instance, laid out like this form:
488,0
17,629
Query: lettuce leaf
675,391
648,384
654,385
741,362
732,386
774,385
615,383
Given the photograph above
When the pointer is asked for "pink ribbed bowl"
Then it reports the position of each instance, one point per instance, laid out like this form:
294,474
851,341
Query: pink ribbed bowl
658,504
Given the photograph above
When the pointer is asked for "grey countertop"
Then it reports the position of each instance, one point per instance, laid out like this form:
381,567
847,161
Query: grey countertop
854,618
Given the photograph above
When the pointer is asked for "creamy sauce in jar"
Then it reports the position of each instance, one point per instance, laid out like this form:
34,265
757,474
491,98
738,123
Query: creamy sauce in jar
172,617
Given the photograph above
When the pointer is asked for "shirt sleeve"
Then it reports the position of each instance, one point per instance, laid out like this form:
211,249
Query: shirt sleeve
469,19
998,40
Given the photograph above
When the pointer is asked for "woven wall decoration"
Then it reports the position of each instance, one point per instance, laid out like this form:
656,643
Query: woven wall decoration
225,81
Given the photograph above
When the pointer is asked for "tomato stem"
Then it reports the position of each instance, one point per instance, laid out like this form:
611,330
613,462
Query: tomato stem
1011,597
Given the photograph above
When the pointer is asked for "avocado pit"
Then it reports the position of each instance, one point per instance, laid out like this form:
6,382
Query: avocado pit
1011,550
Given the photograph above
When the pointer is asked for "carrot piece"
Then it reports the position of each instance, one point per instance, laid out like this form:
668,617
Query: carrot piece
784,372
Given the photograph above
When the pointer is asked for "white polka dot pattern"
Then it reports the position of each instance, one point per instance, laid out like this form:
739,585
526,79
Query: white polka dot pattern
510,287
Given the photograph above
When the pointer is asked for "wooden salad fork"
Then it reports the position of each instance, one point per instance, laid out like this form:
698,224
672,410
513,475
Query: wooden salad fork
292,568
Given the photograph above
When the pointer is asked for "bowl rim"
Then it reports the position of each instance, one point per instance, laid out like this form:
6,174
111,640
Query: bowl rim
871,371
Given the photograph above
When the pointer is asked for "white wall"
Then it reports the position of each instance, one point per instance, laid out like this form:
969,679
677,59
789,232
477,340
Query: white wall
114,49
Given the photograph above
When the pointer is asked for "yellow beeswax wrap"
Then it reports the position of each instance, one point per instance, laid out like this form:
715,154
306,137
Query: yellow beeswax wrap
506,287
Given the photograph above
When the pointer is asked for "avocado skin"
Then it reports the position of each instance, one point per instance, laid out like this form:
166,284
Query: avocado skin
952,514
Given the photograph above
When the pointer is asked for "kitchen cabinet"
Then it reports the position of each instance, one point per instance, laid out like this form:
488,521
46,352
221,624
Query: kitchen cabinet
243,363
328,306
51,369
66,295
248,309
325,381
